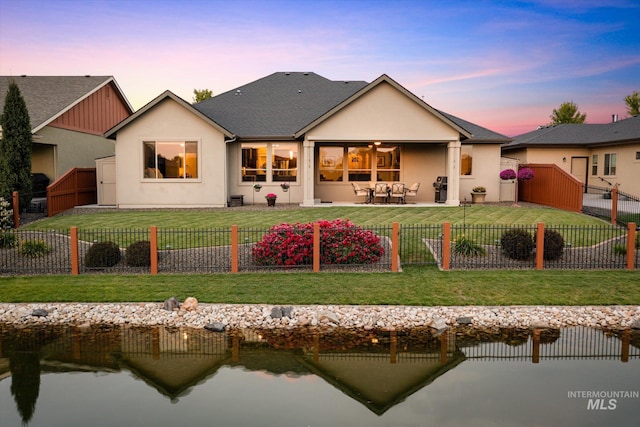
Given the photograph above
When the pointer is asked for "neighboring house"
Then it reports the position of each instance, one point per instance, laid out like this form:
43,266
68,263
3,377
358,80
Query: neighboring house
601,155
69,116
317,134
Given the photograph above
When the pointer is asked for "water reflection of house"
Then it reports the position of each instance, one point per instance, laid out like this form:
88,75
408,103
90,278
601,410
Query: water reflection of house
173,360
378,369
383,374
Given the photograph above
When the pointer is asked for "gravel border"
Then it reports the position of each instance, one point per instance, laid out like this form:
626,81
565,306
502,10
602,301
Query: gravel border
327,316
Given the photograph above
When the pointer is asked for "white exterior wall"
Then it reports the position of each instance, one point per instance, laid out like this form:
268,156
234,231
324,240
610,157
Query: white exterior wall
169,121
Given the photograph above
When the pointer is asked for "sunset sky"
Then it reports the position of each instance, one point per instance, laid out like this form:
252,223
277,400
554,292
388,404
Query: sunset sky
504,65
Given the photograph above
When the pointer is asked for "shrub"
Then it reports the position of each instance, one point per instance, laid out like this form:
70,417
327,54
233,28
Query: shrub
517,244
553,245
467,247
102,254
34,248
341,242
619,249
7,240
138,254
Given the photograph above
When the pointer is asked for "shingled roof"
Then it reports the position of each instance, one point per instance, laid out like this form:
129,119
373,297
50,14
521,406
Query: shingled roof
278,105
48,97
282,104
579,135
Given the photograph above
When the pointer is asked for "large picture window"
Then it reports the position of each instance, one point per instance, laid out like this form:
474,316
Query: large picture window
277,160
170,159
359,163
610,164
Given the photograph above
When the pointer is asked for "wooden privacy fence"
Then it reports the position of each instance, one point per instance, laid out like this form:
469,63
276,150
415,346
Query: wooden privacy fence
77,187
551,186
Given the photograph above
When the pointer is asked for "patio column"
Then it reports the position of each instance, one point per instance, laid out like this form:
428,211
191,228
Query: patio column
308,172
453,173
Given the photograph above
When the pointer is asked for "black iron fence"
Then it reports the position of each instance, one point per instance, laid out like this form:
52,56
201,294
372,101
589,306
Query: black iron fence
24,252
608,204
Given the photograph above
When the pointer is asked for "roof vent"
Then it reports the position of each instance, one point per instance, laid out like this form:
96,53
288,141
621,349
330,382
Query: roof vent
306,74
299,90
238,92
87,75
287,73
614,118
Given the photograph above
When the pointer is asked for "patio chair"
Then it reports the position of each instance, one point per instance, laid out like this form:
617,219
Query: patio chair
359,192
381,190
412,191
397,192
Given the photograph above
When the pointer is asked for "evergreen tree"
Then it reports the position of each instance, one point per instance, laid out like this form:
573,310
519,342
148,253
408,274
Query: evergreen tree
567,113
15,147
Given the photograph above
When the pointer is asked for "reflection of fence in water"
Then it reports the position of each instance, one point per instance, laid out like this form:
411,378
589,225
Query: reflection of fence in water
555,344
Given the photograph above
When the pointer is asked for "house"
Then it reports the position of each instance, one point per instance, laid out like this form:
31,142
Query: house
316,134
601,155
69,115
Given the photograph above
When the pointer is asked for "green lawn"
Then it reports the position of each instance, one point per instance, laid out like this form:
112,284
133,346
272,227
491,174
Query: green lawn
360,215
416,285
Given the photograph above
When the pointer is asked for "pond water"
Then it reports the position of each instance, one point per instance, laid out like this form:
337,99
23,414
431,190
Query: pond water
116,376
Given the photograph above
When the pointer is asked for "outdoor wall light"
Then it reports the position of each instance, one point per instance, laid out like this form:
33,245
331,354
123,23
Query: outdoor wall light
377,143
564,159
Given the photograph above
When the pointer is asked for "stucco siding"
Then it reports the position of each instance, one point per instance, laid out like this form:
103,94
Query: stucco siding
485,172
74,149
627,168
238,187
169,121
383,114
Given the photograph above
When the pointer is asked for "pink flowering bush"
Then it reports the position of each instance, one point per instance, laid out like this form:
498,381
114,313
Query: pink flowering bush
341,242
508,174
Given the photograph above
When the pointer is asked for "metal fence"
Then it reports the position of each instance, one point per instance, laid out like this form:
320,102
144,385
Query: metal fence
211,250
600,202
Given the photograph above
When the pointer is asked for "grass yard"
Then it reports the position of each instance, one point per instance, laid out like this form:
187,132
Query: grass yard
416,285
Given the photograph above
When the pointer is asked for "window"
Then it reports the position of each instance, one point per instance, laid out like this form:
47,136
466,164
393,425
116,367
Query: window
466,159
609,164
254,162
331,164
388,163
170,159
283,166
360,162
284,162
594,164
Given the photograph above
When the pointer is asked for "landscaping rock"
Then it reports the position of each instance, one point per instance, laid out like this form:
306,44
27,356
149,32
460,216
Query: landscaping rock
276,313
171,304
635,324
40,312
189,304
216,327
464,320
286,311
